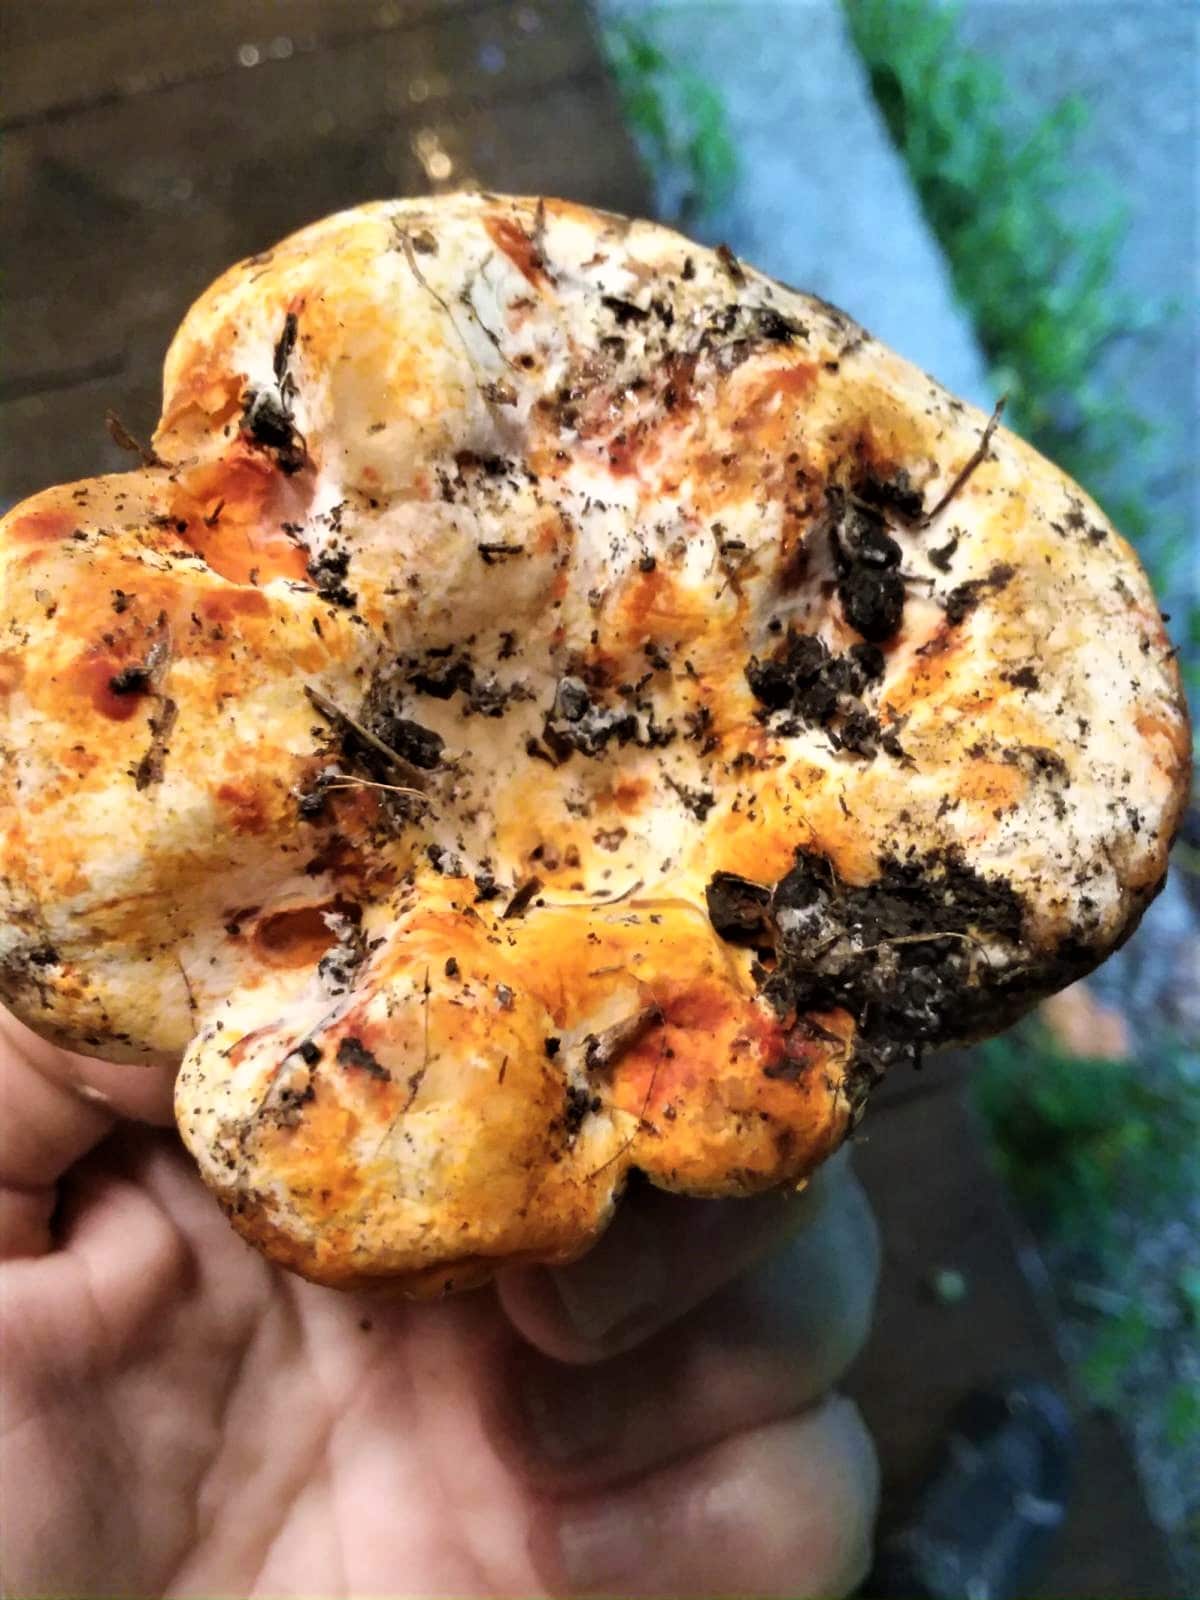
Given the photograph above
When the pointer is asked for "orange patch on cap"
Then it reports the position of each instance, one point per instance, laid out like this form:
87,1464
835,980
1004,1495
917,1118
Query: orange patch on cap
48,526
512,241
226,605
12,671
232,512
93,675
245,806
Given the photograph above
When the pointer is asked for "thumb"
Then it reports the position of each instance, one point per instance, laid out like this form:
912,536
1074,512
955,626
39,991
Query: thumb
664,1254
54,1107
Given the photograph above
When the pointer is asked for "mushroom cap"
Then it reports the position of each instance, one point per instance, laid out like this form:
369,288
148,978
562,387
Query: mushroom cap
555,702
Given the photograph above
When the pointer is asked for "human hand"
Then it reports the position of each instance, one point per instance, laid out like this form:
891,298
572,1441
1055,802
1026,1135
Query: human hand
179,1417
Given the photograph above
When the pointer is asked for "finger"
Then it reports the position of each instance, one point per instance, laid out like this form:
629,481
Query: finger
54,1106
663,1255
761,1349
782,1510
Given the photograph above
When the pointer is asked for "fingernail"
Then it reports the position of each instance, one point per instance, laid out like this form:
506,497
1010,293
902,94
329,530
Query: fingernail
570,1417
605,1549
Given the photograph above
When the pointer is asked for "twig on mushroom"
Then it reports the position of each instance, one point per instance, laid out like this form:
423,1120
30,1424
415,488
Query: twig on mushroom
979,456
149,769
519,903
610,900
410,773
187,984
920,938
124,440
602,1049
349,781
641,1123
418,1077
404,240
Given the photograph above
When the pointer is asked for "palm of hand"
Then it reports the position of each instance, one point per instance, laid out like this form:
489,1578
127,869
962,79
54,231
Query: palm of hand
181,1418
219,1427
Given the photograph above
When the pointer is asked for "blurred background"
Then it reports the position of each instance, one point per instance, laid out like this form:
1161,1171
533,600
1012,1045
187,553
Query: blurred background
1004,190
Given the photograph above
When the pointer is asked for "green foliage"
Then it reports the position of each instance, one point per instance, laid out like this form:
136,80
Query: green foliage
1077,1138
1031,243
678,120
1183,1415
1081,1141
1117,1345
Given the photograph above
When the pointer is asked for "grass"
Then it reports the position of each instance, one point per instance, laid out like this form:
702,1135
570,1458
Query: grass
1078,1138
